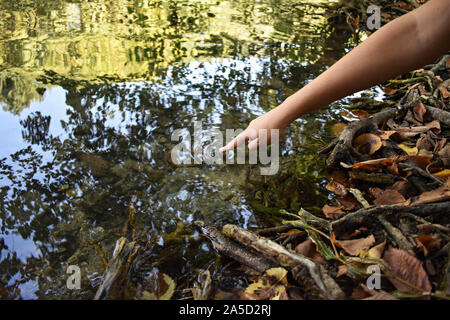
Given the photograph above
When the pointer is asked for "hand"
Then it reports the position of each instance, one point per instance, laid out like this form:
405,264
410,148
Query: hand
271,120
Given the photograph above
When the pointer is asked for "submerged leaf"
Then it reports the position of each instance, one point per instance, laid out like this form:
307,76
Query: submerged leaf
158,286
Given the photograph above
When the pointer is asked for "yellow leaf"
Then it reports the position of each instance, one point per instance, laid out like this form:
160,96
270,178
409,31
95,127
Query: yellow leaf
425,153
408,150
444,174
270,286
278,273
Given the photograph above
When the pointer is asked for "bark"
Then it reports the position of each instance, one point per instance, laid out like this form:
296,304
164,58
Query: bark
233,250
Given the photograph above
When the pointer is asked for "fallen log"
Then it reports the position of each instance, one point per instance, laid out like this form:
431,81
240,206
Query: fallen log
233,250
313,277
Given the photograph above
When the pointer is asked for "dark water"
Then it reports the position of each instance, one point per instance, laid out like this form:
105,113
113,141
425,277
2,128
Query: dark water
90,95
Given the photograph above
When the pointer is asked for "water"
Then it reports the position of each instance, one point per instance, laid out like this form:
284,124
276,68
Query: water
90,95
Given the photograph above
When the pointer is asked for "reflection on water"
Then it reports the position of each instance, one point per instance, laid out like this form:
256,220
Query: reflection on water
91,93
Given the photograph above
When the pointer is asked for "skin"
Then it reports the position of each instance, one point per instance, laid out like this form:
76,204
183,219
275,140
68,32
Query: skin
405,44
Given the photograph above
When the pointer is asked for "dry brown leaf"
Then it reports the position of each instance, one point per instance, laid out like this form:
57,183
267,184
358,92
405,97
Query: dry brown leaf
308,249
417,161
444,155
367,143
342,270
389,196
405,266
419,111
445,92
340,176
355,246
389,91
337,128
428,243
437,195
336,188
332,213
348,202
361,292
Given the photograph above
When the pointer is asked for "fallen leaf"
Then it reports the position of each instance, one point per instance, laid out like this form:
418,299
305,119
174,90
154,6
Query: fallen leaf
419,111
361,292
428,243
340,176
389,91
308,249
337,128
342,270
444,155
332,213
158,286
437,195
403,187
272,285
405,266
444,174
417,161
367,143
336,188
361,114
425,153
410,151
389,196
445,92
355,246
348,202
377,251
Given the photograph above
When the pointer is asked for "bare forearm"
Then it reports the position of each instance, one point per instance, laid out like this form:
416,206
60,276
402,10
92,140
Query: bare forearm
402,45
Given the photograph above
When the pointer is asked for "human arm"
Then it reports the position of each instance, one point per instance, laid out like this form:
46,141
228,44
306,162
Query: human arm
404,44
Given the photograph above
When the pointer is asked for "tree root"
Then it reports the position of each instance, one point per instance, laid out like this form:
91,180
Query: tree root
343,147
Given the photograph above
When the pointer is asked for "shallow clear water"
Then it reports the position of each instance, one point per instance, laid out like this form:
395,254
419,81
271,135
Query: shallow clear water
91,93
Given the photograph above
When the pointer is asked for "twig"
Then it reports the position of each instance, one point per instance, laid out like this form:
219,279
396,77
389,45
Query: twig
397,235
365,216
